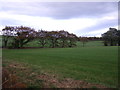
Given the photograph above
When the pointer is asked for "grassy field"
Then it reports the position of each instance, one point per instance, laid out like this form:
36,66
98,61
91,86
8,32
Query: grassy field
0,41
93,63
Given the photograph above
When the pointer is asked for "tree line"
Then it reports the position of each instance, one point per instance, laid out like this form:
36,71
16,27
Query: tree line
17,37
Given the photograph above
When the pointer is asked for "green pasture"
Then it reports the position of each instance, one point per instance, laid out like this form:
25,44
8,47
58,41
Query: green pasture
0,41
93,63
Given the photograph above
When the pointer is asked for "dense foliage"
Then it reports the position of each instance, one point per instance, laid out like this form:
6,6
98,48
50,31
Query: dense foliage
111,37
17,37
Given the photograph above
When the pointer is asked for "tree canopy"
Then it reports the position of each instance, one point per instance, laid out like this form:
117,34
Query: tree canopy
17,37
111,37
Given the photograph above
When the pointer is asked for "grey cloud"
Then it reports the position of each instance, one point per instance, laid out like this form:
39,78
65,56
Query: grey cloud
81,9
61,10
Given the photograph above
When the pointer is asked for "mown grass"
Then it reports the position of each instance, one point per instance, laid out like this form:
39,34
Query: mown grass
90,63
90,44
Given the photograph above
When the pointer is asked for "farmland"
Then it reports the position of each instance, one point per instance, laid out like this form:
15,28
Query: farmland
93,63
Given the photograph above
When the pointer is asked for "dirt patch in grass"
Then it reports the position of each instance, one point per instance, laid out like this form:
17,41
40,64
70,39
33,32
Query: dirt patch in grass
17,75
66,82
10,80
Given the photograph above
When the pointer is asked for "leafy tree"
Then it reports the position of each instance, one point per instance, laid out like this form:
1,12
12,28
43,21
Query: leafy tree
66,39
42,37
57,38
110,37
72,40
24,35
118,34
19,36
7,32
63,38
53,38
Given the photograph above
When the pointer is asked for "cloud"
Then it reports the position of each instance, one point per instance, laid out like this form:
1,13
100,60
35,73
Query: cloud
80,9
60,10
75,17
103,23
47,23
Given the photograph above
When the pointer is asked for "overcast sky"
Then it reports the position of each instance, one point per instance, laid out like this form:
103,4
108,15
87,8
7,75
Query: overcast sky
80,18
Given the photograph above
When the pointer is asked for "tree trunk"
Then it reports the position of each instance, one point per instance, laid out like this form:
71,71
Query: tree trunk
5,43
83,44
63,44
111,43
118,43
105,43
